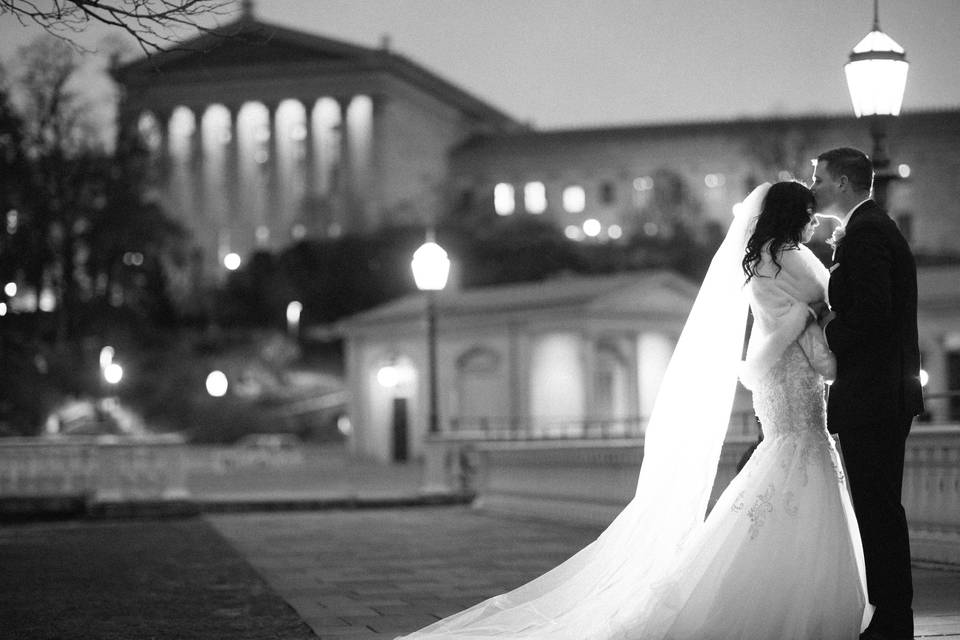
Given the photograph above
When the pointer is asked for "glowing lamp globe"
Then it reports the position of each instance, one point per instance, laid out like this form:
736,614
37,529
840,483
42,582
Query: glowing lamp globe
113,373
877,75
217,384
430,266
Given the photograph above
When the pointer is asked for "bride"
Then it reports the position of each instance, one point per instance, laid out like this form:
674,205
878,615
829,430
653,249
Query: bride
779,555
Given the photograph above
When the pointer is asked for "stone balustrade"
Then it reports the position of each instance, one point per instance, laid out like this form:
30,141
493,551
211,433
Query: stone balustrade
93,470
591,480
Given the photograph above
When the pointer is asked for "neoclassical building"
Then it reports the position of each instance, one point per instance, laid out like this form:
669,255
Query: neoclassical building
262,135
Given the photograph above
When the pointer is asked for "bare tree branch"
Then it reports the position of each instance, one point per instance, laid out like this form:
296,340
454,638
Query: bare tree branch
154,24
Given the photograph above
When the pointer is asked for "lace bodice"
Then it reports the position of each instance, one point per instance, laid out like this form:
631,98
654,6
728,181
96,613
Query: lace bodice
790,400
790,404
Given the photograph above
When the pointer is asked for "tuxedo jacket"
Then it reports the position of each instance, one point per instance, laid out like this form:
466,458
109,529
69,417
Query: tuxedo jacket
873,291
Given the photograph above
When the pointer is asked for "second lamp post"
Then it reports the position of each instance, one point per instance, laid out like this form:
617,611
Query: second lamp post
431,266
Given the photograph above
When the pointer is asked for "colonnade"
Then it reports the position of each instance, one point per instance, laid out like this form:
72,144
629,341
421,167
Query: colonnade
259,175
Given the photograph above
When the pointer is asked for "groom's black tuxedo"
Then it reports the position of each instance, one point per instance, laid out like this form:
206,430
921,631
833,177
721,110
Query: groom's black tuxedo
873,291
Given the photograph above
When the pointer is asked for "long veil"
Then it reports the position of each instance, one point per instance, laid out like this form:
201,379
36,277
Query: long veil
624,573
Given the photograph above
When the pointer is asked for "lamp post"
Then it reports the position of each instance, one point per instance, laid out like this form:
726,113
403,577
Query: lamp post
876,77
431,266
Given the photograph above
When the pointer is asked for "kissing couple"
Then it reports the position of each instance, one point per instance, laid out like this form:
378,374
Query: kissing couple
801,545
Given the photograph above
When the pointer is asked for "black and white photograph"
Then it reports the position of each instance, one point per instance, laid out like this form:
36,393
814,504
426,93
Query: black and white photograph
479,319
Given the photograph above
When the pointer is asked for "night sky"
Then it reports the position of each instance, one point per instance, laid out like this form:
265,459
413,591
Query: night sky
560,63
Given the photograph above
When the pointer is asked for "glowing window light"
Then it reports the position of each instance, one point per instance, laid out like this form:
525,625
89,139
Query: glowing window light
217,384
10,289
535,197
574,199
232,261
592,227
903,170
48,301
263,234
113,373
13,220
503,199
3,309
615,232
714,180
643,183
573,232
106,356
298,232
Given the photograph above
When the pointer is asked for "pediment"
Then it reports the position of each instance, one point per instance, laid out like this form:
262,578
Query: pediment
244,54
249,43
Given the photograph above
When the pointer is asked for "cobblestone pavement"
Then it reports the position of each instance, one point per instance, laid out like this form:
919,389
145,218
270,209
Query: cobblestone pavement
134,580
377,574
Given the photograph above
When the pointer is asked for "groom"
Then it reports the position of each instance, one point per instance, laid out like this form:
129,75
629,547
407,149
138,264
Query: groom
872,330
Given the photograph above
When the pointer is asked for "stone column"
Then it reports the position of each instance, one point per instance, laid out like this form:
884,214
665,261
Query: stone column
588,360
633,381
935,364
309,152
344,188
198,187
162,161
376,199
275,199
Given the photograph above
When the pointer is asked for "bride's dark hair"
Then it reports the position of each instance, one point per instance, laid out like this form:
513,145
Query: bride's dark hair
785,212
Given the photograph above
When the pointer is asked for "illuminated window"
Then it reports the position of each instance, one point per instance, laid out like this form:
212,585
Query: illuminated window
574,199
615,232
642,188
608,193
714,180
503,200
535,197
573,232
643,183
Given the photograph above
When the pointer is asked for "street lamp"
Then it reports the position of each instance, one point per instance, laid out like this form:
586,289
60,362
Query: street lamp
877,77
431,266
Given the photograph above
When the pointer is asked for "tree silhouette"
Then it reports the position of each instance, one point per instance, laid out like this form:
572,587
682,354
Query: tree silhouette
153,24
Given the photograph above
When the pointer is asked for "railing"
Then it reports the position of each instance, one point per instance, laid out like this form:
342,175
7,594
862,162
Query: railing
592,479
495,428
93,468
941,408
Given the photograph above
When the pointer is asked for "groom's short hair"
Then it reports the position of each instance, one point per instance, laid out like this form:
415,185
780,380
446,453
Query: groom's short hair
850,162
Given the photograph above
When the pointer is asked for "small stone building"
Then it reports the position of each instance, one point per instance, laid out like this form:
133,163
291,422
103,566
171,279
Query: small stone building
572,356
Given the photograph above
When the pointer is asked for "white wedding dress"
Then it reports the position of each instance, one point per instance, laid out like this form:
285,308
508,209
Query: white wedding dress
778,556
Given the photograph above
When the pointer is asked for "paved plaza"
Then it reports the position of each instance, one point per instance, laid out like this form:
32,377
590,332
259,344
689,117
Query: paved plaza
356,573
379,573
